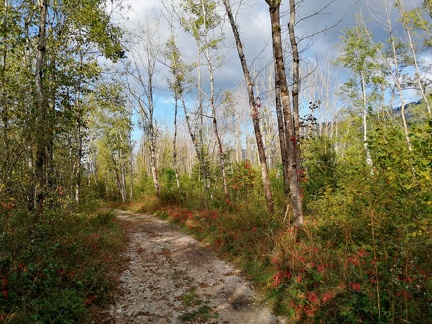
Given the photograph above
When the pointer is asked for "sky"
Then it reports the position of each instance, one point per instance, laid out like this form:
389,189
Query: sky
254,26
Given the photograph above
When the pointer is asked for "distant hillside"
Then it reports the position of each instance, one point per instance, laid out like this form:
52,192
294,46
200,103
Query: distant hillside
397,111
319,127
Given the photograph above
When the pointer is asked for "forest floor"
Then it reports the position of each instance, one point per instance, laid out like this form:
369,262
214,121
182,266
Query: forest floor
172,278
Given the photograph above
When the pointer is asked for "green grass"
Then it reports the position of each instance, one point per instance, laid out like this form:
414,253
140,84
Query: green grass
201,310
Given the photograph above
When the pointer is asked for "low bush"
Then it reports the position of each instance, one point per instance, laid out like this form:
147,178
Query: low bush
362,255
57,267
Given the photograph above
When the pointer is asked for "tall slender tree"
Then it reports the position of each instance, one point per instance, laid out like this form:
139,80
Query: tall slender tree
413,22
360,56
290,133
110,122
202,22
141,83
176,84
254,105
42,122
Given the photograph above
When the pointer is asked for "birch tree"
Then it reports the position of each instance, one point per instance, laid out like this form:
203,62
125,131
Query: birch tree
360,56
396,59
202,20
413,24
141,83
176,85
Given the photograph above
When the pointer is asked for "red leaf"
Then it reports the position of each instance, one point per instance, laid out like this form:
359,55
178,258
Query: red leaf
312,297
327,296
355,286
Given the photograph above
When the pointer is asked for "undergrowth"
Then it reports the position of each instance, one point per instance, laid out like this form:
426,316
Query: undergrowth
58,267
362,255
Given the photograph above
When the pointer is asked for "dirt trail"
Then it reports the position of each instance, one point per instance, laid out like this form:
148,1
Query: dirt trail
171,278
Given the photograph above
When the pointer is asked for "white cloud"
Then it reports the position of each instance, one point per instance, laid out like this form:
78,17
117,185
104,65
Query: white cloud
254,24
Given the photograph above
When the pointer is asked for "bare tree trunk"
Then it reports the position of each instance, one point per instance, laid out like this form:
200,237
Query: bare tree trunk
365,113
397,79
291,139
4,103
420,85
119,185
282,137
78,159
118,175
215,125
152,130
254,111
41,111
131,164
201,153
220,153
296,82
175,140
177,70
78,171
153,162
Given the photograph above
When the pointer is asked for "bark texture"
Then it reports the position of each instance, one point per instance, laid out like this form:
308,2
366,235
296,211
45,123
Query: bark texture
290,133
42,111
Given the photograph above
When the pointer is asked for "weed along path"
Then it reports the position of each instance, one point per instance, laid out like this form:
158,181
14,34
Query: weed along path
171,278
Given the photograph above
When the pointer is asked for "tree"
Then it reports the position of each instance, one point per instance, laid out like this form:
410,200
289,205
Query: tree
49,53
16,78
396,58
360,56
141,78
289,119
42,121
201,20
397,62
213,44
254,105
176,84
413,21
295,92
111,122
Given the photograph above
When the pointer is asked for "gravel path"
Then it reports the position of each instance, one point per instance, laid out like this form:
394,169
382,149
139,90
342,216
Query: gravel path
172,278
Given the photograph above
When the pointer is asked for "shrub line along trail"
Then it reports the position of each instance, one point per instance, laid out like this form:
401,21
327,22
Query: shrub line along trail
172,278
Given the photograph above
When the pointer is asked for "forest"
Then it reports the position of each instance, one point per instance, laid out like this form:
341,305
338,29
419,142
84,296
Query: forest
312,173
